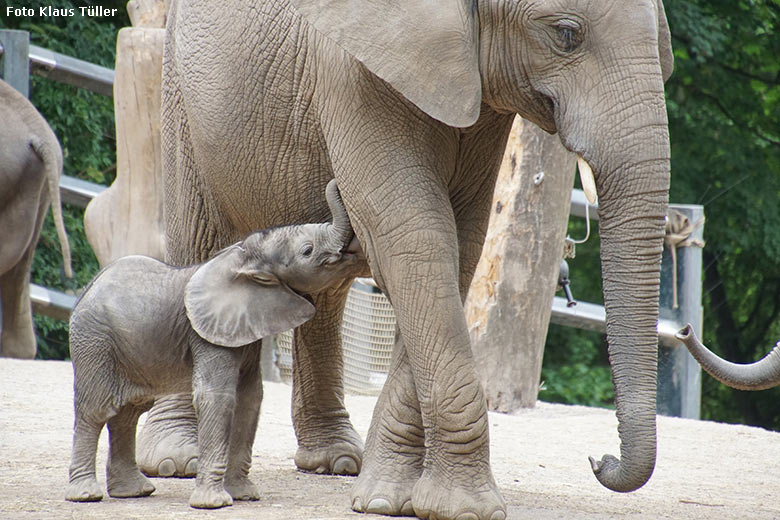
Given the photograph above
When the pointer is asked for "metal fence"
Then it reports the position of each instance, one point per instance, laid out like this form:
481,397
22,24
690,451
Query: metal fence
679,376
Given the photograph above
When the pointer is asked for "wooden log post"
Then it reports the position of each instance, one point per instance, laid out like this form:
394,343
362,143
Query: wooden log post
127,218
509,304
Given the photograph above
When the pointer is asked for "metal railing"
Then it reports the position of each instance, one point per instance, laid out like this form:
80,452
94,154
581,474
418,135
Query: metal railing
679,376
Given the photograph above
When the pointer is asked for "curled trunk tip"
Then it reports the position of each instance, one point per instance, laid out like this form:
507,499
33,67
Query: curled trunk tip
614,474
760,375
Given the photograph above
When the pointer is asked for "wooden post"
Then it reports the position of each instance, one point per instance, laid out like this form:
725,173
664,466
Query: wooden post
509,303
127,218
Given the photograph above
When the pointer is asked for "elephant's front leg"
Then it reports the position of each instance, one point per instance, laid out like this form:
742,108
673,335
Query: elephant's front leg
249,395
215,375
395,447
417,259
327,441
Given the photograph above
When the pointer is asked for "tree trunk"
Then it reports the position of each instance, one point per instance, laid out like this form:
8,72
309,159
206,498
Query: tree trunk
127,218
509,303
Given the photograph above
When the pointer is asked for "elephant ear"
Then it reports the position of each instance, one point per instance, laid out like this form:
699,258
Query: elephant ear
425,49
664,43
227,307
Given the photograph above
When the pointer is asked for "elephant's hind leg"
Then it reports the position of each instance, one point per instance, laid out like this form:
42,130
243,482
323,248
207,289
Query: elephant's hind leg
82,484
124,478
17,337
327,441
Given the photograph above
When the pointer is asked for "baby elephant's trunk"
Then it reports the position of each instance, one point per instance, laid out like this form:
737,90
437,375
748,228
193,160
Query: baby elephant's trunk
340,230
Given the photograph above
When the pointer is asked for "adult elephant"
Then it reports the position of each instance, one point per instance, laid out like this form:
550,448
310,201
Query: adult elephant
409,105
30,167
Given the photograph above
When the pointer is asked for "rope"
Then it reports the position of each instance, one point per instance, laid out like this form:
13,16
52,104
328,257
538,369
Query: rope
678,231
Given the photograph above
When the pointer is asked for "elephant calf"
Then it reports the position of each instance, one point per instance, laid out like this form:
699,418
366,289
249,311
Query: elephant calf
143,329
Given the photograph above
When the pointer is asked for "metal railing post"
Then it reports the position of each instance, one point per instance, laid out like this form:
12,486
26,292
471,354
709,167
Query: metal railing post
679,375
15,59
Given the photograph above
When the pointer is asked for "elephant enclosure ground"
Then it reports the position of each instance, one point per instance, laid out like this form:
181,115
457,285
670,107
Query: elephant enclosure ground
705,470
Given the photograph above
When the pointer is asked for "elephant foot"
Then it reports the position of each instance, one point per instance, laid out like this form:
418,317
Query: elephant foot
130,487
83,490
444,499
381,497
168,442
340,454
210,497
242,489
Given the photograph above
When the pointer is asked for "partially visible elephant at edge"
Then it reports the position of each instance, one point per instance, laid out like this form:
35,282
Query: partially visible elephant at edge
30,168
408,105
143,329
763,374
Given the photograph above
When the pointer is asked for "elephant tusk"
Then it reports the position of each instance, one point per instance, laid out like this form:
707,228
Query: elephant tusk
587,180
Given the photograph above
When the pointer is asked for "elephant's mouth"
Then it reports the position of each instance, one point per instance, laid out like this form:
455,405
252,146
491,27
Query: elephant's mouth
353,247
546,115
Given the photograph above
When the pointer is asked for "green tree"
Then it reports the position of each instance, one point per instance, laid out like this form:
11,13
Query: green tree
84,124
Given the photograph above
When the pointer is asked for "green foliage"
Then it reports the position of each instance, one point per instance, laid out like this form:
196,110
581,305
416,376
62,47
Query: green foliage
84,124
723,103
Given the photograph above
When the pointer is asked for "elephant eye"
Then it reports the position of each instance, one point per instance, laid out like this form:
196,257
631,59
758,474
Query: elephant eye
264,278
568,35
307,249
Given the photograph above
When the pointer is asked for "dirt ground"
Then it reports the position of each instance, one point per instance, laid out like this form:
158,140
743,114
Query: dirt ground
705,470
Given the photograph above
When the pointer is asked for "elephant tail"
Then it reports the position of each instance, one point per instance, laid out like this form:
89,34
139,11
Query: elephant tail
51,155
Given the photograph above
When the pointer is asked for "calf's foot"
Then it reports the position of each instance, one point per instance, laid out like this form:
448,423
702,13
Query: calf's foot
241,488
210,497
83,490
130,485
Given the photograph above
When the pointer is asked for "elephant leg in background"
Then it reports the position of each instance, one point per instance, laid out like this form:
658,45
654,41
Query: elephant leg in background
327,441
168,441
17,335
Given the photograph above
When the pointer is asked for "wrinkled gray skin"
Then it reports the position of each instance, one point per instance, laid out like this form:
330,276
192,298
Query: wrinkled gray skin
763,374
409,105
30,167
144,329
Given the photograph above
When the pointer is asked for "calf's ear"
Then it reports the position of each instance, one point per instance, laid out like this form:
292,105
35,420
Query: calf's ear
227,307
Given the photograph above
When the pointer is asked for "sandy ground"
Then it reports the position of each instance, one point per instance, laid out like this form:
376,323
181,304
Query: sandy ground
705,470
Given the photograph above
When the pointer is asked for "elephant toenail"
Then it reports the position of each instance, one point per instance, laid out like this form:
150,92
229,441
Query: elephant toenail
357,505
345,465
407,509
498,515
467,516
192,467
166,468
380,506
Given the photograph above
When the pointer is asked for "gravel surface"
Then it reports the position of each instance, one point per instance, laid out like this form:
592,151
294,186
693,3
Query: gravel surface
705,470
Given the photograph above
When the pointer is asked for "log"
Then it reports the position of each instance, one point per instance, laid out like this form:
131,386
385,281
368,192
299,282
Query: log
148,13
509,303
127,218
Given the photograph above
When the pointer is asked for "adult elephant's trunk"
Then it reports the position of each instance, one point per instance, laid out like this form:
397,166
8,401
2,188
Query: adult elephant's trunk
340,230
760,375
632,182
